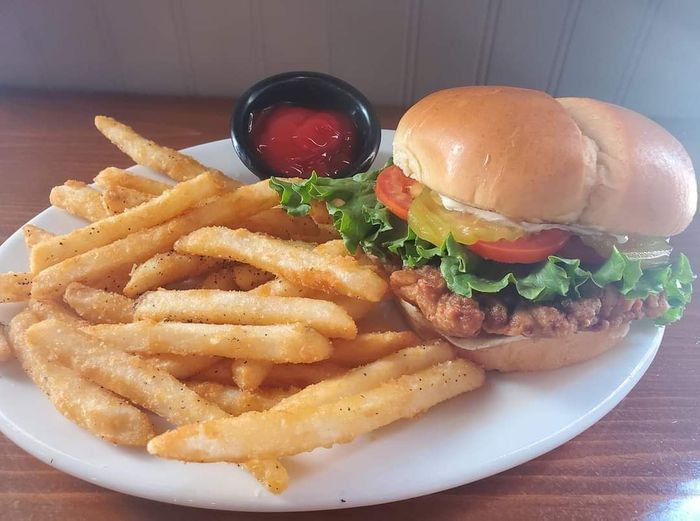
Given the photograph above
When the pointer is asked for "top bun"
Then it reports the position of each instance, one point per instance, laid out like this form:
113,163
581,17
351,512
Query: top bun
531,157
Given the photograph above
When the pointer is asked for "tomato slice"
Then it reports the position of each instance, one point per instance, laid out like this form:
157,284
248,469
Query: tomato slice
531,248
393,190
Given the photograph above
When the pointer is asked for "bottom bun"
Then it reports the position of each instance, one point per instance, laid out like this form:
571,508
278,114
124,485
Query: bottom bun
527,353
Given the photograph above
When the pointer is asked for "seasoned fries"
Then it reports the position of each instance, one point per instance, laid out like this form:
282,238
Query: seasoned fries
247,277
369,347
288,260
111,177
239,307
280,343
354,307
84,403
118,199
255,356
219,372
99,306
277,433
269,472
5,349
114,281
278,223
145,152
15,287
181,366
235,401
361,379
249,374
156,211
222,278
80,200
139,246
301,375
33,235
166,268
124,374
46,309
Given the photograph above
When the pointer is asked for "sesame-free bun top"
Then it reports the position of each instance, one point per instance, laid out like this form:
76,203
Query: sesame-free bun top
531,157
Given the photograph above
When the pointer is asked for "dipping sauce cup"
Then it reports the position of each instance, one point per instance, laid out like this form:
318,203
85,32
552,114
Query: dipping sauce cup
291,124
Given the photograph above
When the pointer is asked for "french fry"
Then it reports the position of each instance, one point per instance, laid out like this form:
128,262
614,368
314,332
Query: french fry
53,309
222,278
278,223
111,177
142,151
248,277
367,377
249,374
276,433
281,343
334,248
269,472
118,199
368,347
124,374
319,213
80,200
301,375
166,268
99,306
5,349
33,235
235,401
219,372
354,307
137,247
84,403
15,287
181,366
115,281
152,213
287,260
213,306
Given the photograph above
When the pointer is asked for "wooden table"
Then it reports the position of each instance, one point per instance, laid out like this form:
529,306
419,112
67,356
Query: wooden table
642,461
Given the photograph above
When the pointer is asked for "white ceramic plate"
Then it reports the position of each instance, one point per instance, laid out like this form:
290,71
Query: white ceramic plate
512,419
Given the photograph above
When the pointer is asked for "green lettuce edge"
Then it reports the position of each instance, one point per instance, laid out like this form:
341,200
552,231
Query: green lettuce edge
364,222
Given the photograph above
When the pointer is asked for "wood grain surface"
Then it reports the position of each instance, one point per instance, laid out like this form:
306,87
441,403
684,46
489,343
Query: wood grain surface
642,461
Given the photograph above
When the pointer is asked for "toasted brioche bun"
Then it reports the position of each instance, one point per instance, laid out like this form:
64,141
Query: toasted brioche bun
526,353
531,157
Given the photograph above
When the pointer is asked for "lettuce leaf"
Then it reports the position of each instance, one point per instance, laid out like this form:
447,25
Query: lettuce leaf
364,222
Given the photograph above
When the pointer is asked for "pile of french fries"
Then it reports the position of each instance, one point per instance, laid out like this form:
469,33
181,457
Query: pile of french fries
203,303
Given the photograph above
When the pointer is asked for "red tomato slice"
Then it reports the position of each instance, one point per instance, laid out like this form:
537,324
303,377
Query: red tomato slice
393,190
530,248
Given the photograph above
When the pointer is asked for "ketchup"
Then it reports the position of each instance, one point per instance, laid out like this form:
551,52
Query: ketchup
296,141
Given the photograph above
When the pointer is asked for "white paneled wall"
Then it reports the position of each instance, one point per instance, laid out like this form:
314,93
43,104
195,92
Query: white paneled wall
641,53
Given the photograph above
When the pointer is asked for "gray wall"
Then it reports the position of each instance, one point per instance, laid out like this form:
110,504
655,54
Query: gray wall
641,53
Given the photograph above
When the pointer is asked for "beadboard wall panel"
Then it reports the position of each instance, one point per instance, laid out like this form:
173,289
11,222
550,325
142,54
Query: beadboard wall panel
641,53
222,47
449,44
601,47
667,71
19,63
66,43
295,35
370,46
526,38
